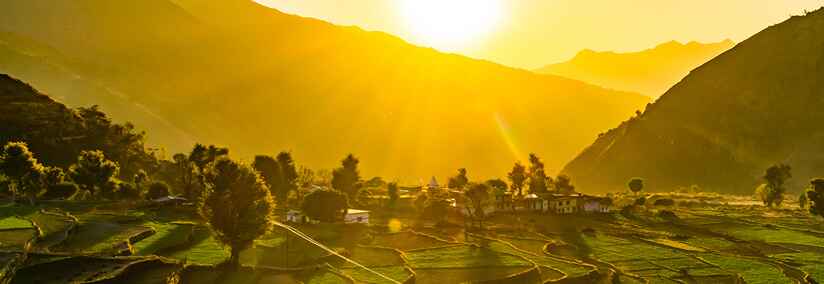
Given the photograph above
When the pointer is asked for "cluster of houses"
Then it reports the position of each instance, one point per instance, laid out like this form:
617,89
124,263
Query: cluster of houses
553,203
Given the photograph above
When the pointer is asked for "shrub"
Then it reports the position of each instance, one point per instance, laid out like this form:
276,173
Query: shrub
157,190
64,190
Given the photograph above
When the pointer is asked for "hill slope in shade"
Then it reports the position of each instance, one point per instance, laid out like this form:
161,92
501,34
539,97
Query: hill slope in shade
260,81
650,72
724,124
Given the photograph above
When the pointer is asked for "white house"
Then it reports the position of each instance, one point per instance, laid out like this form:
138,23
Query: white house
564,204
295,216
356,216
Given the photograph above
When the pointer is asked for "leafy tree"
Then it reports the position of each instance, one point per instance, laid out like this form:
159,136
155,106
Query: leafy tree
238,205
517,177
288,172
776,176
636,185
537,176
201,156
392,191
458,181
93,172
325,205
346,178
641,201
269,170
157,190
21,168
816,197
497,184
188,175
563,184
139,179
479,195
436,208
53,176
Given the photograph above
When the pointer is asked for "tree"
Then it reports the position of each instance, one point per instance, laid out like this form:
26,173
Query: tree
517,177
392,191
289,174
537,177
459,181
479,197
188,176
636,185
346,178
775,176
93,172
497,184
237,206
157,190
139,179
269,170
802,200
436,208
24,172
201,156
325,205
816,196
563,184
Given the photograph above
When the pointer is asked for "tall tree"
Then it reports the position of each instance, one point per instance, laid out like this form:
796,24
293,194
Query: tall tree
202,155
517,177
563,184
18,164
776,176
459,181
816,197
479,195
497,184
392,191
238,206
325,205
346,178
269,170
537,176
93,172
288,172
636,185
187,175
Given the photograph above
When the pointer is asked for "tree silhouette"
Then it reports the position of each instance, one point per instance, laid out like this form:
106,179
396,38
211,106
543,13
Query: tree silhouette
392,191
93,172
325,205
187,173
345,179
517,177
202,155
459,181
270,172
816,197
563,184
497,184
775,176
636,185
288,173
157,190
238,206
537,176
18,164
479,195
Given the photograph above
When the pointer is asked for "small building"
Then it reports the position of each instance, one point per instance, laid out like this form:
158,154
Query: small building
564,204
170,200
533,202
295,216
596,205
433,184
356,216
503,201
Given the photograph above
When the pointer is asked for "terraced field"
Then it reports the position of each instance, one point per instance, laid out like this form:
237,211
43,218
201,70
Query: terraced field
102,245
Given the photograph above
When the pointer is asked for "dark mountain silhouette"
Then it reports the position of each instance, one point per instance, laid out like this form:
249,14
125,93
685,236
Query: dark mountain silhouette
727,121
650,72
239,74
57,134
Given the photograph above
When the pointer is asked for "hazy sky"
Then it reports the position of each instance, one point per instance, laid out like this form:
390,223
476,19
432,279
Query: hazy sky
532,33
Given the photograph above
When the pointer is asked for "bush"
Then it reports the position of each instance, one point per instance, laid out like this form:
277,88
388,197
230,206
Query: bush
63,190
129,191
157,190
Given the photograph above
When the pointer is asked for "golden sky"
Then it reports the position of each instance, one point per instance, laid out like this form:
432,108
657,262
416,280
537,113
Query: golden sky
533,33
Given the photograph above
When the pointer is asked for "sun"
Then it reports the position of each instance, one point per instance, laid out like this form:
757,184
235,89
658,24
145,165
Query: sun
450,24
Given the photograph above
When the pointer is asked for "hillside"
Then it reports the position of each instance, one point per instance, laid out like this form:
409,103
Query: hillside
57,133
260,81
650,72
727,121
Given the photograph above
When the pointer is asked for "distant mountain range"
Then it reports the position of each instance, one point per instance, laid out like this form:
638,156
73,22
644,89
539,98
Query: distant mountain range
758,104
239,74
650,72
